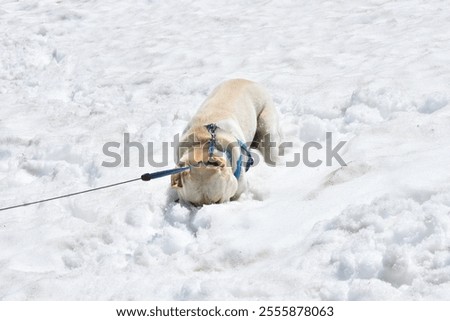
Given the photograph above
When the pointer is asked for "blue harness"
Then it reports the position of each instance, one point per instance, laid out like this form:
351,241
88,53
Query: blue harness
244,150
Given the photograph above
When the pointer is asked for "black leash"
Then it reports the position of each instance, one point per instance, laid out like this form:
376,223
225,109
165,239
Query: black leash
145,177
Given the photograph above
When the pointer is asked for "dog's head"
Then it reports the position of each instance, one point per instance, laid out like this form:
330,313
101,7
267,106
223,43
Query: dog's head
210,179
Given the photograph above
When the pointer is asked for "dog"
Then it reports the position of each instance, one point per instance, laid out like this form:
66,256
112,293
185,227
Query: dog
237,114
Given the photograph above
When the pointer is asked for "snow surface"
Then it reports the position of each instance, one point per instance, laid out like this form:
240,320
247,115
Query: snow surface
77,74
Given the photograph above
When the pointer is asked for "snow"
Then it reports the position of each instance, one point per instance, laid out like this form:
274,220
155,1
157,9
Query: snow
77,74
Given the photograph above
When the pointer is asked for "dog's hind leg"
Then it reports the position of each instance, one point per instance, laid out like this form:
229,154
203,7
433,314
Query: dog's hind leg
268,134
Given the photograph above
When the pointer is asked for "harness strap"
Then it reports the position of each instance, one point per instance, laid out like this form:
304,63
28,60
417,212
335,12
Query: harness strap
212,142
243,147
250,160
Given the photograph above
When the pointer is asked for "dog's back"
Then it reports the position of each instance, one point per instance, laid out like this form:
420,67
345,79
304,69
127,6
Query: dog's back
240,101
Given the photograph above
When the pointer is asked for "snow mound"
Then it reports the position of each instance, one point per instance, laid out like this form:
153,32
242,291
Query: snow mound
390,247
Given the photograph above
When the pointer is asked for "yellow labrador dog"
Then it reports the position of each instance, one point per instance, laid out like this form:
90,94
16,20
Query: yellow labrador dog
215,144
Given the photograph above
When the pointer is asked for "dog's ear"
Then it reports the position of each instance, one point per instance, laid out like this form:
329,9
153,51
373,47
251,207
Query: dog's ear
176,180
